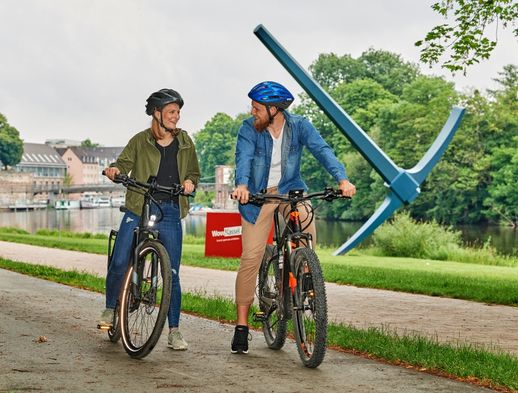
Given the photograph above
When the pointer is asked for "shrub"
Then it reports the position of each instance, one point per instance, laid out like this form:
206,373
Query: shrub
404,237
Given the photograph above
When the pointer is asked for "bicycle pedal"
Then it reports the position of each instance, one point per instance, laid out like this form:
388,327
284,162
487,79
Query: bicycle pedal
103,327
259,316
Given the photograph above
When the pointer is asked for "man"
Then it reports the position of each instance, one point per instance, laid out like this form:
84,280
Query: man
167,152
268,156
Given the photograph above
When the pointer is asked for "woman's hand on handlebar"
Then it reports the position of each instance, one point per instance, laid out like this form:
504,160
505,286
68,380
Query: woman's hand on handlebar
241,193
111,172
188,186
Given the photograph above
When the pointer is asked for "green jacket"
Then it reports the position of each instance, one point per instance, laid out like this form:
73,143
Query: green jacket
141,159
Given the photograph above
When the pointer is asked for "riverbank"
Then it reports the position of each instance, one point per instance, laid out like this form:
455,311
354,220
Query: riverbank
330,233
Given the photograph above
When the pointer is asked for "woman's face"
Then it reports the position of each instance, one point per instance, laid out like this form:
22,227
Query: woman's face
170,115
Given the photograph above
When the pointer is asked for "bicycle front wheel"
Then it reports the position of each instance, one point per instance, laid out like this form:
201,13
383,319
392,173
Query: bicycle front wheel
310,307
145,299
271,301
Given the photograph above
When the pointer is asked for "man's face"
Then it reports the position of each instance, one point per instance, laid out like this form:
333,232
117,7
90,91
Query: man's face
260,114
170,115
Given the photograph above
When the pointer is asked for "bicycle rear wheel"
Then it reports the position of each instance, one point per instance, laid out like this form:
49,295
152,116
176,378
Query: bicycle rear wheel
271,300
310,307
144,304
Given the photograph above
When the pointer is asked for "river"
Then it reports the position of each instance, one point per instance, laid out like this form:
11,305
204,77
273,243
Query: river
333,233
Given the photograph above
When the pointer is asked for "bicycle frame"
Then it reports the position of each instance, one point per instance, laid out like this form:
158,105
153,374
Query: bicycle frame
145,228
291,285
289,239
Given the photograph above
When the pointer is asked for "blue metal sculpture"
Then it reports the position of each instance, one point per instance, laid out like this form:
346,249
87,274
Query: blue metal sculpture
403,184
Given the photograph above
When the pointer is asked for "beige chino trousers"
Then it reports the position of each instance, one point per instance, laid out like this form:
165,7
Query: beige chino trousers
254,238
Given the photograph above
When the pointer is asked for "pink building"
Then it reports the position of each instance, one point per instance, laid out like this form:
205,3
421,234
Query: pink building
85,164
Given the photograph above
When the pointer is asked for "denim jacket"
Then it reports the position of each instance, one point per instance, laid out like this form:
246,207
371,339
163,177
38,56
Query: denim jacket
254,153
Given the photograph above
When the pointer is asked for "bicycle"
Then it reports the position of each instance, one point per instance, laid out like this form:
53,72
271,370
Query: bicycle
290,282
145,293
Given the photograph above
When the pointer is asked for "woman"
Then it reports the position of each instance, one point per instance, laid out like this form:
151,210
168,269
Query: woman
167,152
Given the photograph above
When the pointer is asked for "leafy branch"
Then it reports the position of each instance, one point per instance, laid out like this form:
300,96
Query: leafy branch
467,42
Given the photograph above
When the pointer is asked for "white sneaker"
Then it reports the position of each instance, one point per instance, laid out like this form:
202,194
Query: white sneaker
106,319
175,340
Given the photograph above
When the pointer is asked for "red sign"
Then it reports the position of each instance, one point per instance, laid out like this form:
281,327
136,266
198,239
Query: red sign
223,235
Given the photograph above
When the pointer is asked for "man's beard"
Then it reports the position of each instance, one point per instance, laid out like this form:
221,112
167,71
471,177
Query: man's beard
261,125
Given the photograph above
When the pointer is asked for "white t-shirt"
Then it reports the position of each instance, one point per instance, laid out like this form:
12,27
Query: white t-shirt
275,165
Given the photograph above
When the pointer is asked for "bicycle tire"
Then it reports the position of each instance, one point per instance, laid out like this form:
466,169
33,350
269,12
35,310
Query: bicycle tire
309,307
271,303
142,319
114,333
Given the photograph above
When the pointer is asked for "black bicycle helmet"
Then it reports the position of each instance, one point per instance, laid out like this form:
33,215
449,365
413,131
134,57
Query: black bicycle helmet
271,93
161,98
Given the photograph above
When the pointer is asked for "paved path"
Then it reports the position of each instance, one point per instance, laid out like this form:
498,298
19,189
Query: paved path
449,320
49,344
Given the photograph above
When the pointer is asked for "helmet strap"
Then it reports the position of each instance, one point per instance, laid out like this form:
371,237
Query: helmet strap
270,117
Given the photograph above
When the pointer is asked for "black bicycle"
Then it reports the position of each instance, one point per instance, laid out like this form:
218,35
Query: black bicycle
291,284
145,293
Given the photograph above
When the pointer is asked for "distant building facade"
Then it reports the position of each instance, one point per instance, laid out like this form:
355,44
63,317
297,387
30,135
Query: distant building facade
85,164
44,163
224,184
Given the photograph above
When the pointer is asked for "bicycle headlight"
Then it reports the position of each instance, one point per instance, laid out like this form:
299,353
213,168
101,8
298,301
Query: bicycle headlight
152,220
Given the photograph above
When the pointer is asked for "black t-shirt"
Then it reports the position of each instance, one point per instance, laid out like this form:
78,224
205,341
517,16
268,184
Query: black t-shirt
168,169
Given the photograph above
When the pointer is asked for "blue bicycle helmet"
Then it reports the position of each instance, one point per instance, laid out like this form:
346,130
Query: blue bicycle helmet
161,98
271,94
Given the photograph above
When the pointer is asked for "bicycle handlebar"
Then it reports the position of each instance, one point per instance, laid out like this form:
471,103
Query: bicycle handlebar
126,181
296,196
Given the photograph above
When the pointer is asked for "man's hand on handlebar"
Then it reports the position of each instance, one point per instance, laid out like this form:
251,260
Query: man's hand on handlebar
111,172
241,193
347,188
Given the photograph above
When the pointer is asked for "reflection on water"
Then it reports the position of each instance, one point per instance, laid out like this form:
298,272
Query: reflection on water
332,233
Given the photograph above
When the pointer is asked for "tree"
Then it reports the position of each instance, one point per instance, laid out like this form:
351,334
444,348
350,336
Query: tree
386,68
11,146
502,202
89,143
467,41
215,143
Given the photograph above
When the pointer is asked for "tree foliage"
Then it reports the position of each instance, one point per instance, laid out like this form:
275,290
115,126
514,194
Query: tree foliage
215,143
468,39
403,111
11,146
88,143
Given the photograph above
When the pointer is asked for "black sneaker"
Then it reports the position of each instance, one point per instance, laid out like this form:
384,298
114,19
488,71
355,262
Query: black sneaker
240,340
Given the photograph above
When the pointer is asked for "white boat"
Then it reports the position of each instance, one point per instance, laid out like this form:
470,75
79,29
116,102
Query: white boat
103,201
27,205
65,204
89,201
117,201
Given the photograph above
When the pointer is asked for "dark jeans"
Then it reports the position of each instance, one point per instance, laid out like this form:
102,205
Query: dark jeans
170,229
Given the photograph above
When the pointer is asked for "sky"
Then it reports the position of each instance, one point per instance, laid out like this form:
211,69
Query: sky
79,69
